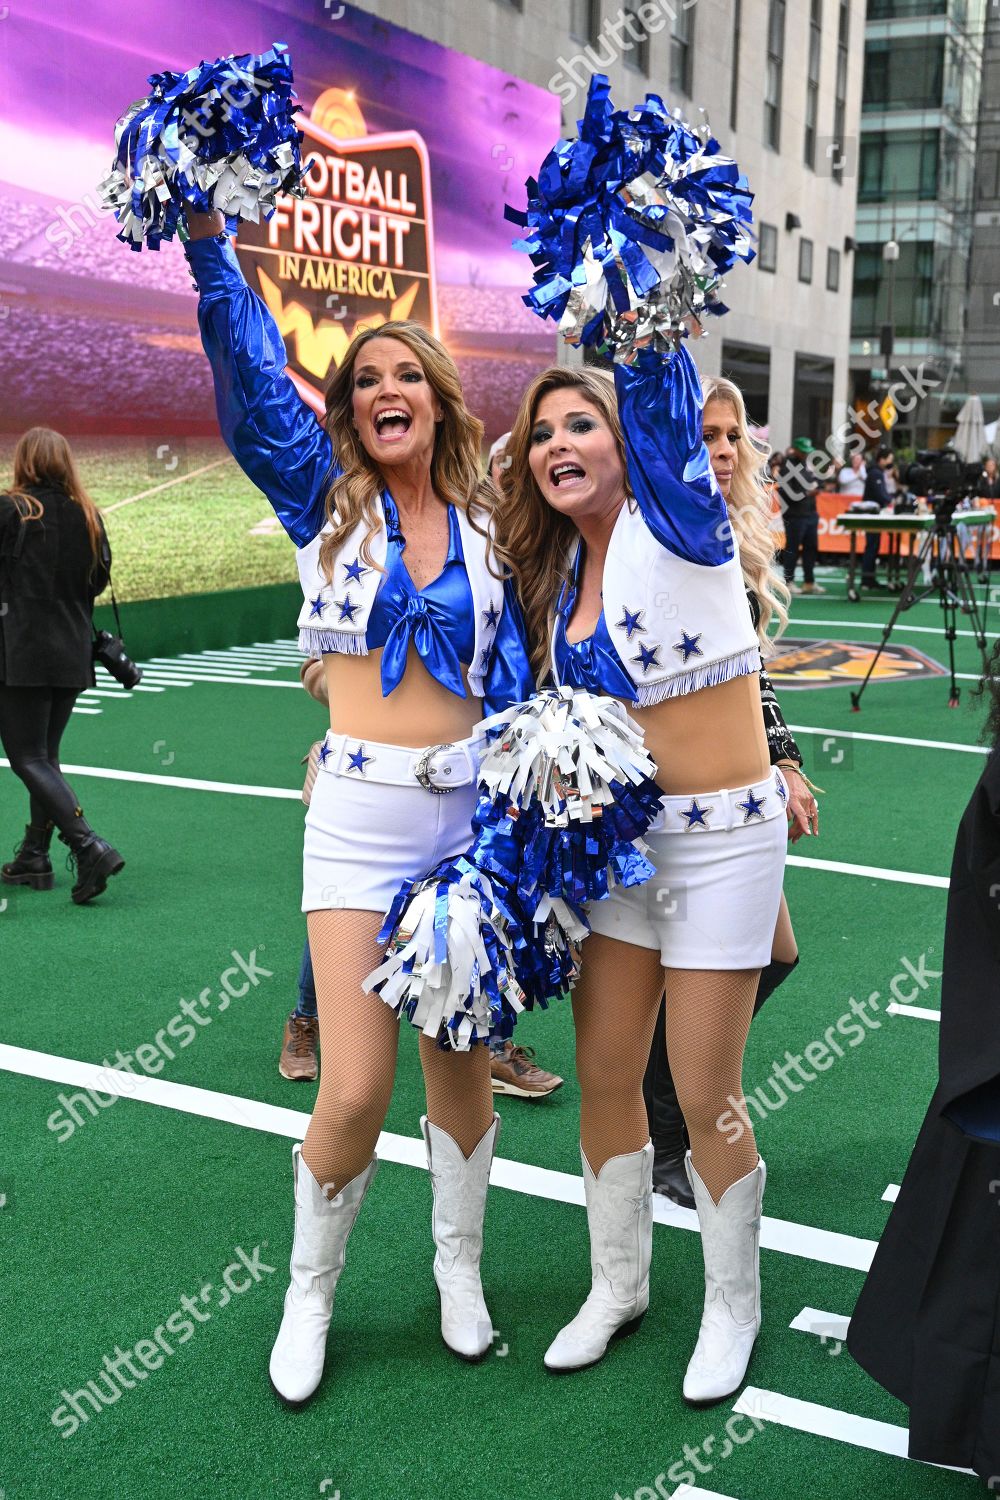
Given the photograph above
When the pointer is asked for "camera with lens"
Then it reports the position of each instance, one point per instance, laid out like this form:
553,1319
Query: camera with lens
940,477
110,651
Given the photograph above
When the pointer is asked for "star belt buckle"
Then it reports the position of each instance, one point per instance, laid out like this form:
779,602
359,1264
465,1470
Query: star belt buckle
422,769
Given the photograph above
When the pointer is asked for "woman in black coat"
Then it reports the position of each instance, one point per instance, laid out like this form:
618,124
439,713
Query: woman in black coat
926,1323
54,561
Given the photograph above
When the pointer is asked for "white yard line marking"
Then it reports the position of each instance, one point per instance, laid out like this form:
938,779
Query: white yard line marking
782,1235
828,1327
826,1421
871,872
889,739
891,1193
876,629
921,1013
106,510
184,783
79,709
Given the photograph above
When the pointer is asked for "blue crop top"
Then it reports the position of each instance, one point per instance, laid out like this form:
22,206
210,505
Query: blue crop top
286,452
592,663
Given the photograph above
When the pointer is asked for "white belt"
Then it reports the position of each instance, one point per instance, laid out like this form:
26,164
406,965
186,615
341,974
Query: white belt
727,809
437,768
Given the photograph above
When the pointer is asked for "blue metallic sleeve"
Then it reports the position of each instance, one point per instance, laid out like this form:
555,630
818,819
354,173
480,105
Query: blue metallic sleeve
660,405
509,678
270,431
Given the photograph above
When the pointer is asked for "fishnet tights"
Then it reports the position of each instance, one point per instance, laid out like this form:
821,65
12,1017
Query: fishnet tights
708,1016
359,1036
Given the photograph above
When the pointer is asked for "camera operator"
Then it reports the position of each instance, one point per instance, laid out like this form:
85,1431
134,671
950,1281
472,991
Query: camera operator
880,488
54,561
798,485
987,496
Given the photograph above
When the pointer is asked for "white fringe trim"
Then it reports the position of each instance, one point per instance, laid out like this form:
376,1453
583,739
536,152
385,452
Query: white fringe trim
710,675
313,642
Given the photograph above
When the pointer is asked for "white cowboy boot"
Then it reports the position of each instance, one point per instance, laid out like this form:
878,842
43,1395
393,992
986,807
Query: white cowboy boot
730,1243
322,1227
459,1187
620,1217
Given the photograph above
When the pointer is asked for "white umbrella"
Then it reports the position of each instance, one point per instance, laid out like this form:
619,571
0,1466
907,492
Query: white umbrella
990,433
969,441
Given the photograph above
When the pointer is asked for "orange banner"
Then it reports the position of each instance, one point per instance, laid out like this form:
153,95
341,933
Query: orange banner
833,539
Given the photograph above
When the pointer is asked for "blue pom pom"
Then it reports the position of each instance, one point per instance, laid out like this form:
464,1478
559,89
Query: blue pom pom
220,136
632,225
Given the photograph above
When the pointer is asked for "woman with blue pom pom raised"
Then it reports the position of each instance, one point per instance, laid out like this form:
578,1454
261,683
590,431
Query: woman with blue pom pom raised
631,584
404,599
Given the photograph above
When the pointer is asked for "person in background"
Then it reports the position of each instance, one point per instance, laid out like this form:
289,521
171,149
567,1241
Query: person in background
798,486
851,478
880,486
54,561
496,460
987,496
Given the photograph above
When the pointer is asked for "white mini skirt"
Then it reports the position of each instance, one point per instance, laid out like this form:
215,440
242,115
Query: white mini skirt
713,902
382,814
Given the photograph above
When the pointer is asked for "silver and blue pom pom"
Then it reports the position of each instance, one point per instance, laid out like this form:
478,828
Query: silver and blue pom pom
631,227
220,136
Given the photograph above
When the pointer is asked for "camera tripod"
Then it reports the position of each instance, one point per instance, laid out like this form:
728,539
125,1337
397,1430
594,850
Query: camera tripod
951,581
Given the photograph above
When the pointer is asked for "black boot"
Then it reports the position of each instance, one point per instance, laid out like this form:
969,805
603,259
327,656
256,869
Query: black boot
93,859
666,1122
31,865
776,973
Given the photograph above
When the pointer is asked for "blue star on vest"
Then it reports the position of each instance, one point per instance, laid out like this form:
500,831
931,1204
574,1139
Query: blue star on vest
355,569
358,760
324,753
318,606
347,609
631,621
688,645
648,657
484,658
491,616
780,789
695,815
753,807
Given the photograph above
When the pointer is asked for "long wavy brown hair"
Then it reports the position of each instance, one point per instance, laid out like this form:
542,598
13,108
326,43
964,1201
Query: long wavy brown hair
537,540
43,459
456,463
750,514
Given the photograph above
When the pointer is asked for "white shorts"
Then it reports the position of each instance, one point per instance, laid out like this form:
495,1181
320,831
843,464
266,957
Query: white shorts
713,902
374,821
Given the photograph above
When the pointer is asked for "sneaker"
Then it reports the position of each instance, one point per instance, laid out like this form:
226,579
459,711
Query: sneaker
513,1072
792,588
813,588
298,1049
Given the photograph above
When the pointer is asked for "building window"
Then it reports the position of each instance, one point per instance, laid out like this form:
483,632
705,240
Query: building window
749,367
585,21
812,404
637,55
893,10
681,51
840,92
734,82
812,81
805,260
772,91
904,73
833,270
913,303
899,164
768,243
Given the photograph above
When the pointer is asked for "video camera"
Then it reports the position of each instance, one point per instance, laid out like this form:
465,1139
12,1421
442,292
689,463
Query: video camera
943,479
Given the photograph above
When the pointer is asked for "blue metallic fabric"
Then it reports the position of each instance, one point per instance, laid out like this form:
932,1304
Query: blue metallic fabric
592,663
271,432
660,406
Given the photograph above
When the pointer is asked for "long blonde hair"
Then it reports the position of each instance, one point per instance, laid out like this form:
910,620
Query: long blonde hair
750,514
455,464
537,539
43,459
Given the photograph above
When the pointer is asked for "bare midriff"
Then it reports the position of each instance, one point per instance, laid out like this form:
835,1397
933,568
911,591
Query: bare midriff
418,712
707,740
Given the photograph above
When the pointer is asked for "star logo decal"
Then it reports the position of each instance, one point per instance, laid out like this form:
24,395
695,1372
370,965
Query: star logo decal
647,657
324,753
631,621
688,645
695,815
347,609
318,606
358,760
491,616
752,807
355,569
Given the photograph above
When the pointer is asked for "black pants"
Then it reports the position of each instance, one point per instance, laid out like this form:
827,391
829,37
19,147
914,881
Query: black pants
873,542
32,722
801,534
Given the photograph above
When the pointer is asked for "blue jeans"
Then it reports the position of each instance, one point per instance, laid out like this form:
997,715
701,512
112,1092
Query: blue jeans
307,986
